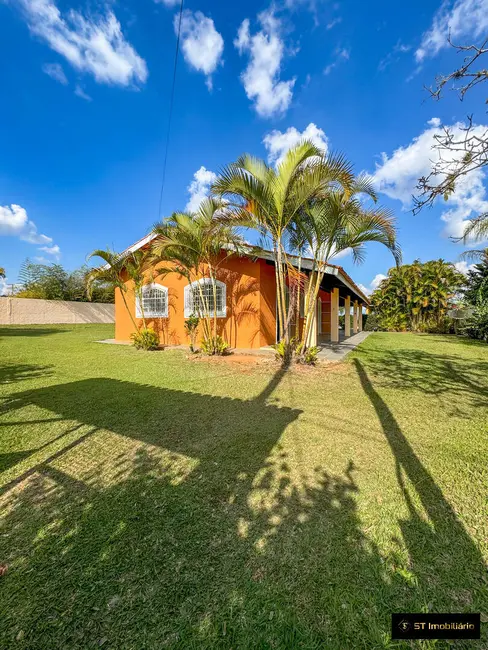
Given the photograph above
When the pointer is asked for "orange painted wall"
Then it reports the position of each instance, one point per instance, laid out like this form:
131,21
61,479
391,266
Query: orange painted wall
251,297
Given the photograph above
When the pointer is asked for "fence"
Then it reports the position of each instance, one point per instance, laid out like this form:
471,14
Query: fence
27,311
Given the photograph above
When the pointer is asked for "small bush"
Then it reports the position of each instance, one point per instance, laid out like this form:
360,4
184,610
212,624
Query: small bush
310,357
215,345
476,327
191,328
145,339
371,323
443,326
284,352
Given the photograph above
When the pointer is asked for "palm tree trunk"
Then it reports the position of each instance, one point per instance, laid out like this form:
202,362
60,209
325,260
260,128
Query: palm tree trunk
297,324
308,313
284,329
278,293
312,301
136,327
214,293
139,297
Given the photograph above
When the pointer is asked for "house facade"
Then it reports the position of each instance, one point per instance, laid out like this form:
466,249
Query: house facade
245,303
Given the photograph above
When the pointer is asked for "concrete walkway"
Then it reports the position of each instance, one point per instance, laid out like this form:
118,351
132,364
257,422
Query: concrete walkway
337,351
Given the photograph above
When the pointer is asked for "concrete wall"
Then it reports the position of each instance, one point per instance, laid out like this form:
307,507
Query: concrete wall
27,311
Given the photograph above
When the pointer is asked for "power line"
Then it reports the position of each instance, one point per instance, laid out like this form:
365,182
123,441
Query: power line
170,116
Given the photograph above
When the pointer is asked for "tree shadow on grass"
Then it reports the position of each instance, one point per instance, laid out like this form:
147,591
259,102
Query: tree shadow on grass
446,564
14,372
458,381
179,521
30,331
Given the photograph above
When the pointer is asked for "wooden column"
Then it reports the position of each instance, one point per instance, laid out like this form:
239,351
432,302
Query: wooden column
334,316
355,317
347,317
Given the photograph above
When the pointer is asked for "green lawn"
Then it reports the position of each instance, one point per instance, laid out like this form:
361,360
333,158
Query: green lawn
150,501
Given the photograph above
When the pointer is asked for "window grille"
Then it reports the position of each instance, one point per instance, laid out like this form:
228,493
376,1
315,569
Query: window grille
154,302
199,298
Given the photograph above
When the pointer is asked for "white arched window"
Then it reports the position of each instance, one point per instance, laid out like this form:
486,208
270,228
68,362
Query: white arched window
154,302
194,305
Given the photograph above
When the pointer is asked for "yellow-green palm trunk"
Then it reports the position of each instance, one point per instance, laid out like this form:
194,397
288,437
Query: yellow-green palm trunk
136,328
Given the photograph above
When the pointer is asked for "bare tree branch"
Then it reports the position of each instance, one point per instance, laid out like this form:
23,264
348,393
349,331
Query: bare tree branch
457,151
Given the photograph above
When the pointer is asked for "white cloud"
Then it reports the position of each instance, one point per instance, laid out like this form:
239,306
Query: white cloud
52,250
92,45
394,55
14,222
374,284
56,72
397,177
337,256
79,92
199,188
277,142
201,43
341,55
464,267
261,78
460,19
168,3
334,22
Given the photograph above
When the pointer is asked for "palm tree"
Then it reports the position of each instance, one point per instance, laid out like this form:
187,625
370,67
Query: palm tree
270,199
197,243
135,264
110,274
337,221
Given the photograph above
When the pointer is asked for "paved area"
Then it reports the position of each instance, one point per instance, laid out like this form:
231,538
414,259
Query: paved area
337,351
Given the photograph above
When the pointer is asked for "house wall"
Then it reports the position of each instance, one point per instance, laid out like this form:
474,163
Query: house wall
30,311
251,296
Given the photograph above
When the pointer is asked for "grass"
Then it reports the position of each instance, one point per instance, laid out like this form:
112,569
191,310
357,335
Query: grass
151,501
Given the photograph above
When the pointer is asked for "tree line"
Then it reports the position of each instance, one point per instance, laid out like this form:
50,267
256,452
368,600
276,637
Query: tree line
54,282
433,297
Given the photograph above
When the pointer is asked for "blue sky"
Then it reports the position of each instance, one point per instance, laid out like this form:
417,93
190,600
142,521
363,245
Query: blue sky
86,95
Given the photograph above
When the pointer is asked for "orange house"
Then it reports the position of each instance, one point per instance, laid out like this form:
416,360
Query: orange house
245,306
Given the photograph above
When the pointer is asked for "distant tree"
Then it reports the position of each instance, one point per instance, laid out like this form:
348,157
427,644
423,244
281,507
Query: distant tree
459,152
2,272
53,282
477,282
109,274
416,296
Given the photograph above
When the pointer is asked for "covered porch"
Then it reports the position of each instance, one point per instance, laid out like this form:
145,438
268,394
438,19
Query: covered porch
339,317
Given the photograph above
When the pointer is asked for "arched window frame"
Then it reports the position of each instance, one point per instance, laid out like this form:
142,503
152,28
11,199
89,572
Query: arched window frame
148,313
189,308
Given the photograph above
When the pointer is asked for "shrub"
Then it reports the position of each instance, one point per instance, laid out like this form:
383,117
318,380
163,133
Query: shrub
284,352
476,327
311,356
215,345
433,326
191,328
145,339
371,323
393,323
